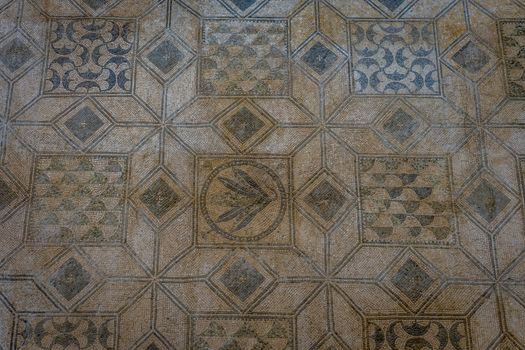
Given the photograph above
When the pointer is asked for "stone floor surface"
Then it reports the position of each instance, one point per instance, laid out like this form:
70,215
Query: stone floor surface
262,174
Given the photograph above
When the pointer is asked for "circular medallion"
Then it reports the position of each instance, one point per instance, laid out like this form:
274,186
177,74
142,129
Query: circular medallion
243,200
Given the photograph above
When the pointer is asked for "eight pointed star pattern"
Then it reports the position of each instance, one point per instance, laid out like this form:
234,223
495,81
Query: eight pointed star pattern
260,174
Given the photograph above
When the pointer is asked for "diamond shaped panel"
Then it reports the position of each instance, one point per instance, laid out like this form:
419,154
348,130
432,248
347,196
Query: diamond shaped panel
242,278
325,200
161,197
487,201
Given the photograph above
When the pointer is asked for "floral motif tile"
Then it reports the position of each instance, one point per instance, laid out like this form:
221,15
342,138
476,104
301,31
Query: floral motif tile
90,55
394,57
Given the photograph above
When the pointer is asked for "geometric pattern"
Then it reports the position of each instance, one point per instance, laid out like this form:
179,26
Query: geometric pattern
242,57
95,7
471,58
392,7
84,51
406,200
319,57
245,125
242,271
487,201
262,174
412,280
167,55
241,333
512,39
67,330
401,125
84,124
242,278
78,198
161,198
15,54
325,200
381,66
243,7
7,195
386,333
70,279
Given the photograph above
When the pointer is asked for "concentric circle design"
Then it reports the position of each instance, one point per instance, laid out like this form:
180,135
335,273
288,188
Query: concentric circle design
243,200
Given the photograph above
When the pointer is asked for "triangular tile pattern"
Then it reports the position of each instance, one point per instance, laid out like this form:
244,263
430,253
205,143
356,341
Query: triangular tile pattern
243,7
245,57
96,7
78,198
393,7
10,194
406,199
512,40
242,333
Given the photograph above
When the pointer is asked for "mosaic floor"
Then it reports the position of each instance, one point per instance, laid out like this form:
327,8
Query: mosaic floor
262,174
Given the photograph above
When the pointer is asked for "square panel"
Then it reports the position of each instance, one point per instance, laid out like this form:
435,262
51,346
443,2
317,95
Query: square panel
404,333
77,199
237,332
243,201
394,57
512,35
244,57
66,331
90,55
406,200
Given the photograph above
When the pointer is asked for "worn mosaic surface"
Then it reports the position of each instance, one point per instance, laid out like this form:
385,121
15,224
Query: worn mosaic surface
262,174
